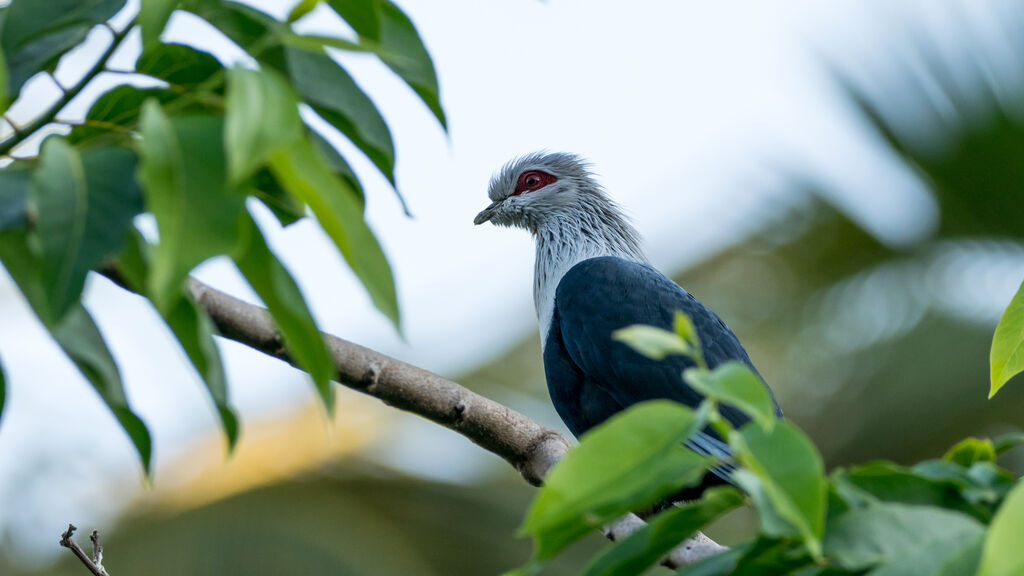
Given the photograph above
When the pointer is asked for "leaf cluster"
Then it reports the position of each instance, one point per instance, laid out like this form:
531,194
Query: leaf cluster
195,152
958,515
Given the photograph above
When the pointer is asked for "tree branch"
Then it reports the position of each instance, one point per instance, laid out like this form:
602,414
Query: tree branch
95,565
532,449
529,447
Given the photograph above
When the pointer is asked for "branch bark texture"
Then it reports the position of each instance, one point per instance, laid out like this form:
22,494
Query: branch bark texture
529,447
532,449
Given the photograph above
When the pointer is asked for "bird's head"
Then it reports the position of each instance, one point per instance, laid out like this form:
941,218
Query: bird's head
537,187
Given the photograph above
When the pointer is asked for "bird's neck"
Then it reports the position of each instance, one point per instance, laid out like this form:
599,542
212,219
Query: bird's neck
563,242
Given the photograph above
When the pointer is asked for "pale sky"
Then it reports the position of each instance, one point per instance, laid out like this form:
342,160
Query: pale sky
686,110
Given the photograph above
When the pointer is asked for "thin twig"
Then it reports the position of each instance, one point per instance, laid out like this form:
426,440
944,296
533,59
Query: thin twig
69,94
97,549
68,542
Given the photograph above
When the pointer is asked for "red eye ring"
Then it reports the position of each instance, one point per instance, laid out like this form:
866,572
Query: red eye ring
532,180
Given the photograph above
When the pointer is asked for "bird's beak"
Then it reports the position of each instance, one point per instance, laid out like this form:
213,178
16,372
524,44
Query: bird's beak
487,213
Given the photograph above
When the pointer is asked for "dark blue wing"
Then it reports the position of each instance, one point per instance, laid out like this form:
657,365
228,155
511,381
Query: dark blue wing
591,376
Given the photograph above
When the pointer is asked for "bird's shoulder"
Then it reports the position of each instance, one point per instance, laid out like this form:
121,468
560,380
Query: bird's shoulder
613,286
600,295
603,272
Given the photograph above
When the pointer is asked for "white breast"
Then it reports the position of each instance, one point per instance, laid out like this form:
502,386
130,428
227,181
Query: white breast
557,252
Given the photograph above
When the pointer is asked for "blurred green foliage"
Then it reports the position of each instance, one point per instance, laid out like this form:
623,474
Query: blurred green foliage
349,518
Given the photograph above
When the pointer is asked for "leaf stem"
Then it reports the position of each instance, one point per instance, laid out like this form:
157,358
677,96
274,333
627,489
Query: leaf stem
69,94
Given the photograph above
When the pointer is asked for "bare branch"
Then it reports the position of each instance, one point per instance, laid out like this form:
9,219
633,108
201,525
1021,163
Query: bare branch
96,567
97,549
529,447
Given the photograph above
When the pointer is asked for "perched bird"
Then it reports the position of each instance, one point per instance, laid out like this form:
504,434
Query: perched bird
590,279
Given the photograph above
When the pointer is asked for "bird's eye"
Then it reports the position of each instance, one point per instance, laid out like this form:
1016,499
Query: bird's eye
532,181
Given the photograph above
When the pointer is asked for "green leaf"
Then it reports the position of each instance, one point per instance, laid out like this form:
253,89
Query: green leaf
792,474
991,482
655,343
964,561
943,470
684,328
177,64
36,34
301,9
153,17
281,294
899,538
735,384
361,15
81,340
770,556
1006,359
328,88
15,187
116,113
22,263
287,208
772,522
1001,443
647,545
268,190
193,329
888,482
982,483
85,204
246,26
340,166
198,215
385,25
261,119
1002,554
133,262
304,173
971,450
76,334
5,101
626,463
